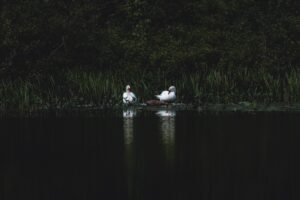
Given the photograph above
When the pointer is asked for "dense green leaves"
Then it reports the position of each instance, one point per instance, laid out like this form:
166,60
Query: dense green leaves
137,35
70,53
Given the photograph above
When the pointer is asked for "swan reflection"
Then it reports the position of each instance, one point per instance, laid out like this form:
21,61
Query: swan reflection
128,125
166,113
167,126
128,115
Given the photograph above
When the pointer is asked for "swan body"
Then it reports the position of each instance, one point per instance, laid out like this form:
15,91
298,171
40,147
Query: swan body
128,96
168,95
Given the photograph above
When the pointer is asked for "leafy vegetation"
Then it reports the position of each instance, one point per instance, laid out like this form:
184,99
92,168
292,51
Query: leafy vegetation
105,89
82,52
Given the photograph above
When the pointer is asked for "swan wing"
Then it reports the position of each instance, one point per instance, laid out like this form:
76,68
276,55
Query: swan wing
129,97
133,96
125,97
166,96
171,97
163,95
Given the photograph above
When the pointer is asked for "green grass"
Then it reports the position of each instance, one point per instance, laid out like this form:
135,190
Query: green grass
105,89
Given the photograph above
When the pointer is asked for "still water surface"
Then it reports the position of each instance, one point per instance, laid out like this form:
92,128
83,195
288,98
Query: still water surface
152,155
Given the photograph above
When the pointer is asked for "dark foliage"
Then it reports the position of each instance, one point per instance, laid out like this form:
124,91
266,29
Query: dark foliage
43,37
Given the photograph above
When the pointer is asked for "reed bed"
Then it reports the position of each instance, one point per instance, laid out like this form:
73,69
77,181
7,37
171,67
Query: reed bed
78,88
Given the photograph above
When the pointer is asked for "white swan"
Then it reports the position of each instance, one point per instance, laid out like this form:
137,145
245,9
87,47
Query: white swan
128,96
168,95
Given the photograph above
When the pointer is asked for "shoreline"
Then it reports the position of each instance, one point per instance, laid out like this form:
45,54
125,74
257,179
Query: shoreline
73,90
88,110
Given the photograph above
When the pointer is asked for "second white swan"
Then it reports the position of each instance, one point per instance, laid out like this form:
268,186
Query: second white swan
168,95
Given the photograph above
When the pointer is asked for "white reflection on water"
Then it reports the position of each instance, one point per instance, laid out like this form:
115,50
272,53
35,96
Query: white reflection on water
128,116
128,119
167,126
129,113
166,113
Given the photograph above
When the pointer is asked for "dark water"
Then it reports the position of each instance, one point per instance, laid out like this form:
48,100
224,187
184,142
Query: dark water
166,155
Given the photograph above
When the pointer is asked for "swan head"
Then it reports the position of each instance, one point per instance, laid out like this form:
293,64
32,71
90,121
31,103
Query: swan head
128,88
172,89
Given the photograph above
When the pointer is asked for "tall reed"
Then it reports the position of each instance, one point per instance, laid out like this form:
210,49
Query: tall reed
105,88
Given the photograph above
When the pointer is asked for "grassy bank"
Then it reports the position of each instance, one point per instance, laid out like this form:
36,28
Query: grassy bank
76,88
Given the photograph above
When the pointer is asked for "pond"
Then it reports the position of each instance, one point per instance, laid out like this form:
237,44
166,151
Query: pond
153,154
